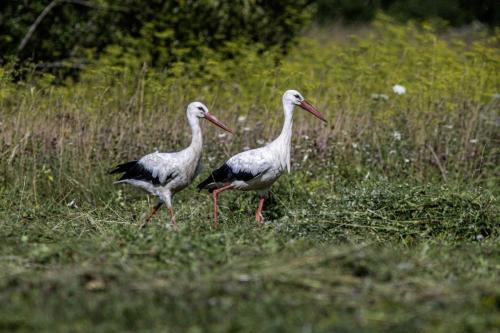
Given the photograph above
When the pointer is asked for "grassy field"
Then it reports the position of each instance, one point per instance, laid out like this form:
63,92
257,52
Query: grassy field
387,223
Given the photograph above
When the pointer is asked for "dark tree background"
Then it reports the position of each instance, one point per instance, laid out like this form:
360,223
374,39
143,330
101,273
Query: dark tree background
61,32
456,12
167,30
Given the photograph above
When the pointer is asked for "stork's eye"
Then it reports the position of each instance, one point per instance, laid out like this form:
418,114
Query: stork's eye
201,108
297,96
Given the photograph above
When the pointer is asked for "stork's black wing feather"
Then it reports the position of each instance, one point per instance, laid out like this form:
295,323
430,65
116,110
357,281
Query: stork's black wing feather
135,170
225,174
121,168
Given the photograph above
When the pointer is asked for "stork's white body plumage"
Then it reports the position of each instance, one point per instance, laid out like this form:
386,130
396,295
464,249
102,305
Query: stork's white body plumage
164,174
170,172
265,164
257,169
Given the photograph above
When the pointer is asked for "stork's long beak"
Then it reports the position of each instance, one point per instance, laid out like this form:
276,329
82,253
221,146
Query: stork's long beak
211,118
309,108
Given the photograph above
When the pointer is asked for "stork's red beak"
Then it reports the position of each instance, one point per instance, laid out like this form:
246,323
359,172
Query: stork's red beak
211,118
309,108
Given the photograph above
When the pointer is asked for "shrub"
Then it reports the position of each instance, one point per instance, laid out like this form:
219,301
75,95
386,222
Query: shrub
158,32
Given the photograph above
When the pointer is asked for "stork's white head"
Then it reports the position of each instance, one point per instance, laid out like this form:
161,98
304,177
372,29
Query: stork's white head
199,110
293,97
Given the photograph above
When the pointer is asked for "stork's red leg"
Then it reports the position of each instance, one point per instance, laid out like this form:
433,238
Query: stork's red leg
172,217
153,212
215,194
258,214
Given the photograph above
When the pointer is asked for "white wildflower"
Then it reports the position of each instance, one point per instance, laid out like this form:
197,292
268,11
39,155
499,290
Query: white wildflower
222,135
380,97
242,119
246,129
399,89
407,160
448,126
260,142
396,135
169,226
354,145
473,141
72,204
244,278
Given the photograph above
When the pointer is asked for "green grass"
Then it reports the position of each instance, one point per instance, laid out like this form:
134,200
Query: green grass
387,223
373,256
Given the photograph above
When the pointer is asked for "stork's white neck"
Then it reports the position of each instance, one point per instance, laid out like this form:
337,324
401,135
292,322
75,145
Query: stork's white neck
283,142
196,139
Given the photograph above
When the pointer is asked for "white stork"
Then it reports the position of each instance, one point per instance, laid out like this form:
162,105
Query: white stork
164,174
258,169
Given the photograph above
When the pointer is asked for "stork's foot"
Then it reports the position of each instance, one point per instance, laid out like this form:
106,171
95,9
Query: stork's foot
150,216
146,222
172,217
215,195
258,215
259,218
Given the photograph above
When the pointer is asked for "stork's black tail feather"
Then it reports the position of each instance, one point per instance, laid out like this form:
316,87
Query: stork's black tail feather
124,167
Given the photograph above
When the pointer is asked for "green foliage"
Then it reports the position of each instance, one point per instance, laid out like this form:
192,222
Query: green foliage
160,33
69,34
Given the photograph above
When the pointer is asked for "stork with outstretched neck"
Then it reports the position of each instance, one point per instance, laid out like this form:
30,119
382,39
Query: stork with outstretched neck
164,174
257,169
